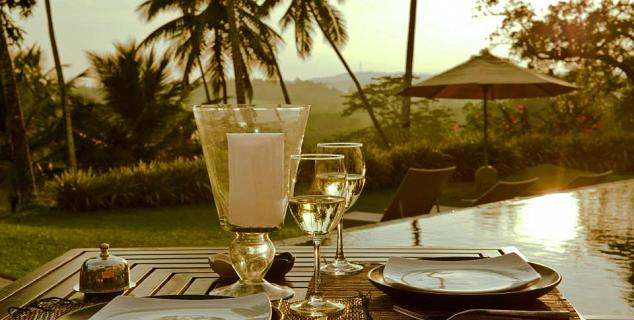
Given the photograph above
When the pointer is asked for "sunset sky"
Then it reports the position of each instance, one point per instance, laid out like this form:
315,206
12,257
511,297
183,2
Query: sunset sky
447,33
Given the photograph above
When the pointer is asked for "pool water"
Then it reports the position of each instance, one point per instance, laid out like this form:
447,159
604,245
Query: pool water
586,235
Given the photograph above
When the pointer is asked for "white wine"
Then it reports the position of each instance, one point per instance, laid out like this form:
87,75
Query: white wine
317,214
355,186
330,183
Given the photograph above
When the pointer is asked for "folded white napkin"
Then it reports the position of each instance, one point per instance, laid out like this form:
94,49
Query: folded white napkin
505,273
254,307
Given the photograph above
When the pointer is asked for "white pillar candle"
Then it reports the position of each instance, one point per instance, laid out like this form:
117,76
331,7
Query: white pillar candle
256,179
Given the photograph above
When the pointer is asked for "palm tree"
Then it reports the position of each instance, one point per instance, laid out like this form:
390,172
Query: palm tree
239,71
202,28
409,62
305,15
20,151
186,31
70,141
39,98
141,117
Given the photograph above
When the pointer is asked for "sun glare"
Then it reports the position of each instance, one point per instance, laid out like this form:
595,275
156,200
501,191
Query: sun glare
550,220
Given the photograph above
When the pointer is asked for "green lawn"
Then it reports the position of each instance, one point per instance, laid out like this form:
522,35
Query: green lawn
31,238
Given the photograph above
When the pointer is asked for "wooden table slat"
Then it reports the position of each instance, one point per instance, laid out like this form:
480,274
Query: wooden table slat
199,286
33,285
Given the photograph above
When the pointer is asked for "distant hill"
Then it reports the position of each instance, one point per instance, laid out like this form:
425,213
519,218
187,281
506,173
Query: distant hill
325,95
343,83
323,99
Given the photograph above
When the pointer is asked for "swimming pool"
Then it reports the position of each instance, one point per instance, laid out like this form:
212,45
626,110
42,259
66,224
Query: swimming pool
587,235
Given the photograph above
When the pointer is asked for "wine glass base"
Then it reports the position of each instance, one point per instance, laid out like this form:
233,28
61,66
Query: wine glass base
341,268
242,288
317,308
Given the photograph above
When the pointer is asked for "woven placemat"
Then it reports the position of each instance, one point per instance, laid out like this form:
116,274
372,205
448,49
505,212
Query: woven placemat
54,308
354,310
381,305
46,309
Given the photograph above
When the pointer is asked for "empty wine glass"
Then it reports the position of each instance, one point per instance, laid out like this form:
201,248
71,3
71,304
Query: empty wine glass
317,202
355,168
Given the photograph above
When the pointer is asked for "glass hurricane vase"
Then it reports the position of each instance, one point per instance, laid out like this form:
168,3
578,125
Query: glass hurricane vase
247,152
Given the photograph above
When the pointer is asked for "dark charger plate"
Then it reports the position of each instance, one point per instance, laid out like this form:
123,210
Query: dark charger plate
87,312
550,279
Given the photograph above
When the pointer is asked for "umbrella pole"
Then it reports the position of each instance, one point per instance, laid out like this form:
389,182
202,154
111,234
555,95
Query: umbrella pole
485,90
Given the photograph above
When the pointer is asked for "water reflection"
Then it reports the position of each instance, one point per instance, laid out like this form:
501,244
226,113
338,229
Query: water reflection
587,235
550,220
416,233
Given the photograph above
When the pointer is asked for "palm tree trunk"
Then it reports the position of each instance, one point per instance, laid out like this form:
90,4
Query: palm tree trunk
238,64
409,62
224,89
70,140
368,107
287,99
202,76
20,152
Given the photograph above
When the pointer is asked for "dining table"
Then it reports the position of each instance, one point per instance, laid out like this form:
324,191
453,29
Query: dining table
186,271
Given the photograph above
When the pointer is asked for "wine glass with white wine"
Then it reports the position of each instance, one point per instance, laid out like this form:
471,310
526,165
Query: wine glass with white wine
355,169
317,202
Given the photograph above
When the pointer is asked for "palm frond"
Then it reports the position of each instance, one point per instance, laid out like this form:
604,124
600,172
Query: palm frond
169,30
298,14
331,21
149,9
267,6
217,67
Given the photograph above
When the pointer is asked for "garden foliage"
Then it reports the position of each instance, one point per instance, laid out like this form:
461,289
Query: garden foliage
185,181
592,152
151,184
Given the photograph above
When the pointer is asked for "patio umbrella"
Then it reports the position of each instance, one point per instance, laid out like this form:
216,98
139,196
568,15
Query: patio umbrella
486,77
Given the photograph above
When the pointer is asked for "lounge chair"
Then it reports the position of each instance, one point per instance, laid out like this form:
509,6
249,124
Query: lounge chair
583,180
503,190
416,195
418,192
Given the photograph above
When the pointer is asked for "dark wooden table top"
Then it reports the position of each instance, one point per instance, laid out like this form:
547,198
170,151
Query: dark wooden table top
169,271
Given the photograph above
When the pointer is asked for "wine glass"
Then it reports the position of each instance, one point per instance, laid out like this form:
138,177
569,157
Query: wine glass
317,202
355,168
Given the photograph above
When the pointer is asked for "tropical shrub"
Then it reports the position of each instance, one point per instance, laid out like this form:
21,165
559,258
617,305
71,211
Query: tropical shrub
467,155
415,155
379,170
185,181
151,184
592,152
427,123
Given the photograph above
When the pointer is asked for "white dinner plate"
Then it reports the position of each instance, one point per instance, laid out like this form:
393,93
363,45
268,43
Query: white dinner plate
549,280
504,273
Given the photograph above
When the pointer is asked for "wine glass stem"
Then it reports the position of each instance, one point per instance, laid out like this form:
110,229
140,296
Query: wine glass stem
339,257
316,293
